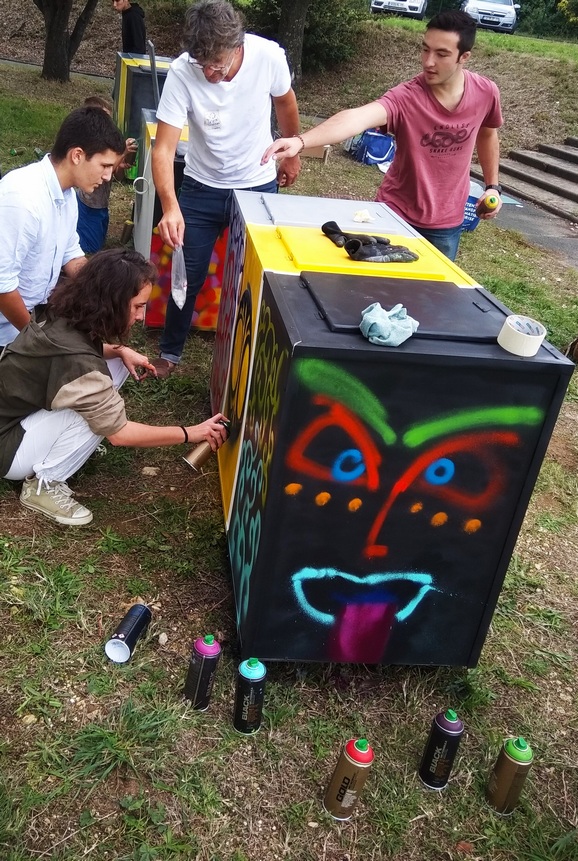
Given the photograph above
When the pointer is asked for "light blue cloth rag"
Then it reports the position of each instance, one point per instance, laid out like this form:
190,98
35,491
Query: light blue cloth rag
387,328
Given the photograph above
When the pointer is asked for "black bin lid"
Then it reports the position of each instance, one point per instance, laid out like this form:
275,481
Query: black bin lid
443,310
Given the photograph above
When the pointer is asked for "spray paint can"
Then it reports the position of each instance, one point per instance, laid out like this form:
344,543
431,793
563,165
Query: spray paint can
440,750
348,778
508,775
488,204
249,696
126,634
201,674
200,454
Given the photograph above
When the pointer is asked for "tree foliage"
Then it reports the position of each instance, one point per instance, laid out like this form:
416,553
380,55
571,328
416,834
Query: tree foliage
329,28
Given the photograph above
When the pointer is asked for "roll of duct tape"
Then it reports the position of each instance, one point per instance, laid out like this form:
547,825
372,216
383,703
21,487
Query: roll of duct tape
521,336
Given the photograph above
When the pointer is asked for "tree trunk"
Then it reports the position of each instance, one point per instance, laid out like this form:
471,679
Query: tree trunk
291,31
59,45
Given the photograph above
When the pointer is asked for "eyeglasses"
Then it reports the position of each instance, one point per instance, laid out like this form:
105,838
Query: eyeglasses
210,67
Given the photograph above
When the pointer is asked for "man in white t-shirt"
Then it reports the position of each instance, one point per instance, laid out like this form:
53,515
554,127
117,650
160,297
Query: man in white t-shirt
223,85
38,214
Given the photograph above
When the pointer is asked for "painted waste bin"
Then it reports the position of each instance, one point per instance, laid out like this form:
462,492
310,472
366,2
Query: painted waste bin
372,495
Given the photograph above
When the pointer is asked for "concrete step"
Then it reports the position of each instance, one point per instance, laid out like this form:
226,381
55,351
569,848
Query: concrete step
534,176
571,141
549,164
526,190
566,153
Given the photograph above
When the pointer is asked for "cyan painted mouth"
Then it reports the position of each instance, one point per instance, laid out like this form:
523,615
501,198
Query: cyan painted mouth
371,588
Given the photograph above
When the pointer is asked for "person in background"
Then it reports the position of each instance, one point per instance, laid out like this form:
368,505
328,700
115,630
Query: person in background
59,382
133,29
224,85
39,213
438,119
93,216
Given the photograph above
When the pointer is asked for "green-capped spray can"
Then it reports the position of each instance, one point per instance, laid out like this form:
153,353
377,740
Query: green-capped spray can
509,774
441,749
348,778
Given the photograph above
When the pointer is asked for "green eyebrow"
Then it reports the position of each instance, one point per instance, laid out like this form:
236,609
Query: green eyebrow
323,378
474,418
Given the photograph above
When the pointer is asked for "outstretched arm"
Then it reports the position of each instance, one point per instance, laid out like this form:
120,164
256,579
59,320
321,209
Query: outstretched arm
488,149
287,114
337,128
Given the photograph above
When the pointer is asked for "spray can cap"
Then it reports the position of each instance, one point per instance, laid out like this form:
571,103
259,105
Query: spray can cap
208,639
359,750
252,668
451,715
519,749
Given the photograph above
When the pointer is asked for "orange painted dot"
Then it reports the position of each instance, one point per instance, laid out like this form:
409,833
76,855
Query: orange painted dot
355,504
439,519
293,489
322,498
417,506
472,526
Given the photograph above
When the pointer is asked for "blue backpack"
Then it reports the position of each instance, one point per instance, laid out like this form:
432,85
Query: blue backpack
373,147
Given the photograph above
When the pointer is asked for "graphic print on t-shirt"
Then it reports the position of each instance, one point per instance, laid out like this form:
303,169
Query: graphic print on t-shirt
446,138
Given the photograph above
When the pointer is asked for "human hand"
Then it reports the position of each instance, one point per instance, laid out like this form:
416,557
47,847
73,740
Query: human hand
131,145
489,213
137,364
288,171
212,431
282,148
172,227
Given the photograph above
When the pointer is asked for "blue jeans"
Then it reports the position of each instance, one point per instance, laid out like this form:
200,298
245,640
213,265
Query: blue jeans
445,239
206,211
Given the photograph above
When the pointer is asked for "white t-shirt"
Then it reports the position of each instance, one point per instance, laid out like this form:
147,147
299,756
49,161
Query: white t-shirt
39,235
229,122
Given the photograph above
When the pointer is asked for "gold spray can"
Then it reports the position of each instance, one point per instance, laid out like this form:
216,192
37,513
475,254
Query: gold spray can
508,775
199,455
348,778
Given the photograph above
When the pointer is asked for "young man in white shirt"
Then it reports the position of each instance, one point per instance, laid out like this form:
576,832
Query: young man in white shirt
39,212
223,85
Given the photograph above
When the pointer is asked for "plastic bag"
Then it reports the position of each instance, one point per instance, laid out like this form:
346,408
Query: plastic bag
178,278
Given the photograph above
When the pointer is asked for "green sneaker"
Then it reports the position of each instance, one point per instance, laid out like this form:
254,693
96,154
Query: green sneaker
54,499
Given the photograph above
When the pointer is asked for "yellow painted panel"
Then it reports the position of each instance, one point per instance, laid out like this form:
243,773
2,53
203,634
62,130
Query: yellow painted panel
305,249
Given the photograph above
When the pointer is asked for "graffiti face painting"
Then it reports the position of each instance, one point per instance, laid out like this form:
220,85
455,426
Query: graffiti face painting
391,513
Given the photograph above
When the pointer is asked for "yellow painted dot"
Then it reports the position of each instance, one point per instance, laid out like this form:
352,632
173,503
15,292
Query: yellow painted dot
472,526
355,504
439,519
417,506
322,498
293,489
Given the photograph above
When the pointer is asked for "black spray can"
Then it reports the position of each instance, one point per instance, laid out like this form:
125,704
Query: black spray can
201,673
440,750
249,696
348,778
508,775
122,643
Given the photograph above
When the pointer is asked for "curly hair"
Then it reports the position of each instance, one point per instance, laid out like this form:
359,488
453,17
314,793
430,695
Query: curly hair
97,299
212,27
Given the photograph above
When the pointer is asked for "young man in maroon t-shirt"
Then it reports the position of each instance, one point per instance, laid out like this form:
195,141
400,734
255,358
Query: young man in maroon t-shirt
438,119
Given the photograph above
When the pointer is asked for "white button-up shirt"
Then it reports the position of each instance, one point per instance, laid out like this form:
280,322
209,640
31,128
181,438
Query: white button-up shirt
37,235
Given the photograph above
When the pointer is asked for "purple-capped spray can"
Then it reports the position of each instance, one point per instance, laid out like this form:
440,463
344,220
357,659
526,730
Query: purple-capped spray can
441,749
201,673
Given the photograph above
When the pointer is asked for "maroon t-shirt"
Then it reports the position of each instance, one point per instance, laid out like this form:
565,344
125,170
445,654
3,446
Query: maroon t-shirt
429,180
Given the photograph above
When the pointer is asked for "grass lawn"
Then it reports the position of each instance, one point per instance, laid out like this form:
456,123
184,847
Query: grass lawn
106,762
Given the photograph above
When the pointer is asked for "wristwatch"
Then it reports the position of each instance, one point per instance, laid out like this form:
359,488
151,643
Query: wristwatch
497,188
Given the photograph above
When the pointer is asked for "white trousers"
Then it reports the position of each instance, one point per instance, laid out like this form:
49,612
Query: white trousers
58,442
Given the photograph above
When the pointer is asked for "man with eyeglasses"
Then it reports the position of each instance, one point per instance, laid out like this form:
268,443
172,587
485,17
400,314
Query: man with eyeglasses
223,85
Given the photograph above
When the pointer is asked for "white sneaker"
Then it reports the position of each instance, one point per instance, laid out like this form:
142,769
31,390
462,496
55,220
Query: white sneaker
54,499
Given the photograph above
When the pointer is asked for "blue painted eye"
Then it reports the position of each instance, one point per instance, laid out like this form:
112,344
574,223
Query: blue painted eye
441,471
348,465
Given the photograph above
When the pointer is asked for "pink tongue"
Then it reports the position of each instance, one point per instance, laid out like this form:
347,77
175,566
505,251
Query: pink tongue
361,633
